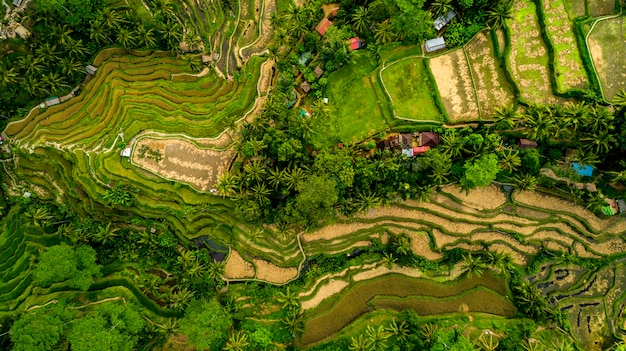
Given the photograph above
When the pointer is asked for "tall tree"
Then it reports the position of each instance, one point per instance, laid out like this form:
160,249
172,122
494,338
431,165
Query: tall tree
206,325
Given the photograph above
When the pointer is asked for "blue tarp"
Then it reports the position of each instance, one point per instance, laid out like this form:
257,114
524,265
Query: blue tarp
583,170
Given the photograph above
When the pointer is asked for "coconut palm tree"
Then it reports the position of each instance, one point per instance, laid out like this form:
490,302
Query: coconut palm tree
289,299
295,176
163,8
145,37
452,143
227,185
53,82
486,342
126,38
384,32
75,48
599,118
98,32
171,33
39,216
62,34
497,16
33,86
254,171
399,330
237,342
180,298
111,19
70,66
440,7
507,115
525,181
402,245
388,260
260,193
106,234
532,345
193,63
473,265
366,201
359,343
620,98
600,143
293,322
48,54
215,270
510,160
377,337
30,64
563,345
361,19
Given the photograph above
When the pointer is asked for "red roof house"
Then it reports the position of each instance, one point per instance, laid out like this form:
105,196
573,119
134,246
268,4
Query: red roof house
420,150
355,43
323,26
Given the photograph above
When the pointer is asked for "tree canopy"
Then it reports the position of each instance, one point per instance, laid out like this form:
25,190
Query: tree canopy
61,263
206,324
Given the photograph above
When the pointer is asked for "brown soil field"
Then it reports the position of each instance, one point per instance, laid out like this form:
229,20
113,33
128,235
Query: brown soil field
492,87
327,290
487,198
452,75
272,273
238,268
182,161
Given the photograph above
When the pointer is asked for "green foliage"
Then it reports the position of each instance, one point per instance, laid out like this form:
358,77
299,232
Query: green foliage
40,330
207,324
61,263
481,172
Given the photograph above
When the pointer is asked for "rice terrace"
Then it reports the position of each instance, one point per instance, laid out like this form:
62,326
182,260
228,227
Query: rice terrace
313,175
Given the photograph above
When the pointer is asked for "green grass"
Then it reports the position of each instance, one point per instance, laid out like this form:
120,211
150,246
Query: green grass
599,8
606,44
575,8
359,110
568,65
411,89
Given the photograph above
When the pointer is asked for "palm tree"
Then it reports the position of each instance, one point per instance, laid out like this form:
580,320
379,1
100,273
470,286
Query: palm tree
600,118
98,32
237,342
575,114
111,19
507,115
452,143
510,160
359,343
361,19
600,143
39,216
525,181
562,346
388,260
617,177
532,345
473,265
33,86
163,8
254,171
402,245
488,343
193,63
293,323
500,260
276,177
125,38
75,48
48,54
289,299
428,332
384,33
62,34
53,82
145,37
106,234
181,298
294,177
366,201
377,337
440,7
30,64
70,66
227,185
620,98
502,11
8,76
260,193
399,330
215,270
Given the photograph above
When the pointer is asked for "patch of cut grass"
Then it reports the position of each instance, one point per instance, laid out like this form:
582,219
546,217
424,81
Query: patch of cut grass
606,45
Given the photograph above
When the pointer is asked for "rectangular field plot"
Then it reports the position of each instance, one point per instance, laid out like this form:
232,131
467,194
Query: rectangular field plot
575,8
529,57
358,106
568,65
601,7
607,45
411,90
492,88
454,81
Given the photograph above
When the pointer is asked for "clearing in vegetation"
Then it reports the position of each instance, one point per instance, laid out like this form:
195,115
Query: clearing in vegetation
607,44
528,58
410,89
568,65
492,88
575,8
357,99
454,81
599,8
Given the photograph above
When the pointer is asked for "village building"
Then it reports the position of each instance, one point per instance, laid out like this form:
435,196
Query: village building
526,144
17,3
407,140
305,57
430,139
125,152
407,152
305,86
621,205
91,69
51,101
333,12
442,21
420,150
323,26
355,43
435,44
318,71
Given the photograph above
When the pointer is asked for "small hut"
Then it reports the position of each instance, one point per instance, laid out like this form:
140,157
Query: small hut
51,101
355,43
526,144
442,21
318,71
407,140
125,152
305,86
91,69
435,44
429,139
17,3
323,26
420,150
407,152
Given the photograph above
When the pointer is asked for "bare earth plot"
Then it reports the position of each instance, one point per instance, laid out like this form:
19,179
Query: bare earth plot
607,44
451,72
492,88
528,59
568,64
181,161
575,8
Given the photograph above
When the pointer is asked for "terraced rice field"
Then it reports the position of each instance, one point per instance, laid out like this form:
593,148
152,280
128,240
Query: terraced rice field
607,44
568,65
456,88
410,87
528,60
492,88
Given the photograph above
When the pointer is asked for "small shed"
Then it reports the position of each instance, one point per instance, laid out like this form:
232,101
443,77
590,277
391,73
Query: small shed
407,152
305,57
526,144
17,3
27,194
387,145
429,139
333,12
442,21
125,152
318,71
407,140
435,44
621,205
91,69
51,101
355,43
323,26
583,170
420,150
305,86
1,140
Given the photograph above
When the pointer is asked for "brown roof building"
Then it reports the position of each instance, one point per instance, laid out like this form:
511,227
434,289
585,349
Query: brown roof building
429,139
407,140
305,86
318,71
526,144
